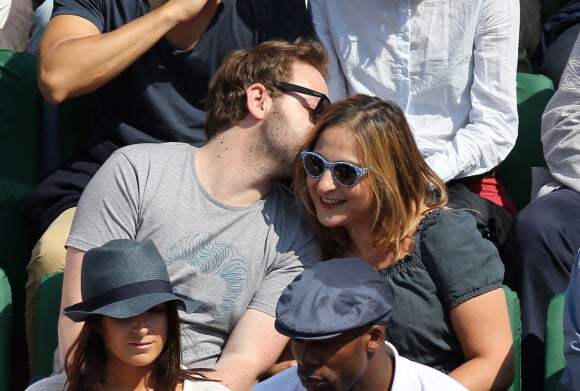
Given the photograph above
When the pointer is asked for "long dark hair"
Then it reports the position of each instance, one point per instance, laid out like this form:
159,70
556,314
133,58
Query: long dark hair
86,358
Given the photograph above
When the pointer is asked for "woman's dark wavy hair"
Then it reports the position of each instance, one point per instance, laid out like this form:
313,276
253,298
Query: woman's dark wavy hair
86,359
400,179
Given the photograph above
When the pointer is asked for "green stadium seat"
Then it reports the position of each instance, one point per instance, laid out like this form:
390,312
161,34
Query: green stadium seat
533,92
555,362
514,311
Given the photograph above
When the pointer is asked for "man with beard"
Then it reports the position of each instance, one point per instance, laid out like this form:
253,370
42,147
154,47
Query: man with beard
146,66
335,314
227,229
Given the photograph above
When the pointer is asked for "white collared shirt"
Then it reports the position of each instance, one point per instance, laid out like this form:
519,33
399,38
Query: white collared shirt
409,375
4,11
450,65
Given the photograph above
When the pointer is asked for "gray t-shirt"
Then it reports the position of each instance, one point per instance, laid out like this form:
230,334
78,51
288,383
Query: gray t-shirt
230,258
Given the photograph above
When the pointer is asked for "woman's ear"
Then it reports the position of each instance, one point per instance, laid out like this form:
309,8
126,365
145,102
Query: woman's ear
258,100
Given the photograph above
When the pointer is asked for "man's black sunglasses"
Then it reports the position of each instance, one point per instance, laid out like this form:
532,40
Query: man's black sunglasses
322,105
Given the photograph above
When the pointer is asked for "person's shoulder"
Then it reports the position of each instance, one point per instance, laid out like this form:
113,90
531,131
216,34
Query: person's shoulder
194,385
449,214
263,7
161,149
284,191
421,377
286,20
51,383
287,380
448,220
410,375
459,260
451,235
282,200
146,156
439,219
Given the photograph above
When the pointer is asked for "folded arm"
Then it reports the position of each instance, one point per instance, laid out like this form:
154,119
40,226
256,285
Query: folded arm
75,58
252,348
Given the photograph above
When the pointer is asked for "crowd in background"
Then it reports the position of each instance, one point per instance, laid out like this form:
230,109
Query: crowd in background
384,124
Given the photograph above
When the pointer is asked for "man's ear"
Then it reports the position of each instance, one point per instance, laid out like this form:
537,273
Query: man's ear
376,338
257,99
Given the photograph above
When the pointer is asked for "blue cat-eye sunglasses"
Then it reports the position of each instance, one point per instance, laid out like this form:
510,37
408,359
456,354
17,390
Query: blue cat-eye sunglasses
344,173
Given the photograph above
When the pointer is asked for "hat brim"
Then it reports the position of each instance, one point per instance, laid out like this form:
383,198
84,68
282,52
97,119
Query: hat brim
131,307
282,329
293,332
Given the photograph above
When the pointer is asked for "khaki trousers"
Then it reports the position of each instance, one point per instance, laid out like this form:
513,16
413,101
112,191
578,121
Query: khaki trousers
48,256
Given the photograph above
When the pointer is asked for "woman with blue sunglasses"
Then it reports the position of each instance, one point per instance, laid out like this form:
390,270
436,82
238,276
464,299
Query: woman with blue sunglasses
364,185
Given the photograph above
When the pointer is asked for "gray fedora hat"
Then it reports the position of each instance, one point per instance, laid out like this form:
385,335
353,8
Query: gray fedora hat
124,278
333,297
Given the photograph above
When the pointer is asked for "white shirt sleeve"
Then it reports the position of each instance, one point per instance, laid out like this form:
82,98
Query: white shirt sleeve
492,129
189,385
4,11
336,80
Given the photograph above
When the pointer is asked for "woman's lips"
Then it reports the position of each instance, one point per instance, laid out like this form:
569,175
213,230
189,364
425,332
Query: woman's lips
142,345
330,203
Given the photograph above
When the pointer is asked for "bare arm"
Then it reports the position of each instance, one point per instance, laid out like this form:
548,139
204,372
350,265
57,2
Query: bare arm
252,348
483,328
68,330
76,59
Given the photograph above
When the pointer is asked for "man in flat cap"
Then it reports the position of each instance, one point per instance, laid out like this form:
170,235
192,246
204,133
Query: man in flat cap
335,314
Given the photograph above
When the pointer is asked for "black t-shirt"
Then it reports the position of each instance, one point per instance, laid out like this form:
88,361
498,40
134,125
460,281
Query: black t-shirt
160,96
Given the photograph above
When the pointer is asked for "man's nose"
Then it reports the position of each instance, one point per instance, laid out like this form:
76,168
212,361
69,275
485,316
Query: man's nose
304,354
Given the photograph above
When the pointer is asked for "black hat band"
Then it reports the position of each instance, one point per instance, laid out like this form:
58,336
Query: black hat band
122,293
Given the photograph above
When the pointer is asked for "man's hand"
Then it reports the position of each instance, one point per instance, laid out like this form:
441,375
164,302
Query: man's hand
185,10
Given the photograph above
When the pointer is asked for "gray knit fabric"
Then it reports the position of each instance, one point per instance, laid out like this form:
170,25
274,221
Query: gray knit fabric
561,129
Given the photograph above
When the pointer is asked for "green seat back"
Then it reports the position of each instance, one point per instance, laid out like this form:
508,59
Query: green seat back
555,362
19,123
5,330
513,303
28,150
47,313
20,118
533,91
